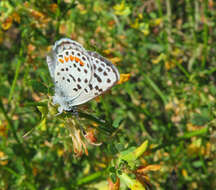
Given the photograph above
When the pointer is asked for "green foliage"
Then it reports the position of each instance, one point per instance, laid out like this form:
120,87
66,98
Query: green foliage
167,47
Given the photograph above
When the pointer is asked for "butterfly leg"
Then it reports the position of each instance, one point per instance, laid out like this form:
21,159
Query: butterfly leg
74,111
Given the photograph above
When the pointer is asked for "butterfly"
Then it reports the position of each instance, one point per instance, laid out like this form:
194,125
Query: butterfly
79,75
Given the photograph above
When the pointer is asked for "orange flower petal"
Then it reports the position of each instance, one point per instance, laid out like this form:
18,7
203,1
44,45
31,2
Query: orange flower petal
124,78
148,168
53,7
16,17
7,23
115,60
37,14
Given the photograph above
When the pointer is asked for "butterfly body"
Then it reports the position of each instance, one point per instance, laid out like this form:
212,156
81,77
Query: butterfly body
79,75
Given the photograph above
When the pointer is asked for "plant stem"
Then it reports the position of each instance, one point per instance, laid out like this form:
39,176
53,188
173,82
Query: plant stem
91,177
156,89
16,75
187,135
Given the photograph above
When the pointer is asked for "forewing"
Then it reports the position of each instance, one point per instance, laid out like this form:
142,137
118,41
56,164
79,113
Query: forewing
72,74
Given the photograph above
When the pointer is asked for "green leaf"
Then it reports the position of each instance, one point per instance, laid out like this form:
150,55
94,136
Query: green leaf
117,121
113,177
197,164
131,155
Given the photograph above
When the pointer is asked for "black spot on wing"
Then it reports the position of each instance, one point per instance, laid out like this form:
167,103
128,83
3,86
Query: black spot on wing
107,62
90,86
78,86
97,77
72,77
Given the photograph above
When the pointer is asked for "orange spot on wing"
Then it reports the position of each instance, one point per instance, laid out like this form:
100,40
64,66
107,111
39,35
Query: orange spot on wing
77,59
71,58
66,59
81,63
61,60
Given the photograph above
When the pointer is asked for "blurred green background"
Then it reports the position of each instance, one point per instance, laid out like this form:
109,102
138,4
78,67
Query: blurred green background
168,49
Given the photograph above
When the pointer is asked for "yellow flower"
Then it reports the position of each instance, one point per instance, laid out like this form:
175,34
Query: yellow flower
81,9
177,52
53,7
7,23
115,60
135,24
140,16
107,51
1,36
122,9
148,168
124,78
156,22
169,64
3,159
60,152
133,184
184,173
36,14
3,129
144,28
16,17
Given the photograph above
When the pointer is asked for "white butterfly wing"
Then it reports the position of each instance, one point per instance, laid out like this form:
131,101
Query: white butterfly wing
71,70
104,77
51,62
73,75
59,47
